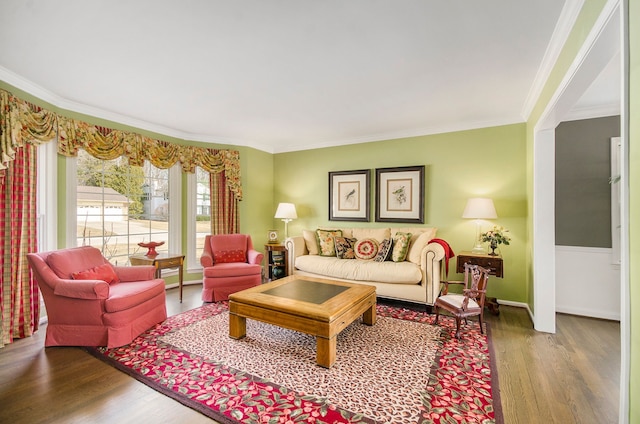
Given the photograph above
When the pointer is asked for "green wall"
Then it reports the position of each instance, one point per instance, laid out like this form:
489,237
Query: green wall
485,162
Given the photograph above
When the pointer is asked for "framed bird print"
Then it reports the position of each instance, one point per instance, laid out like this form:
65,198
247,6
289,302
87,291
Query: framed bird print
349,193
400,194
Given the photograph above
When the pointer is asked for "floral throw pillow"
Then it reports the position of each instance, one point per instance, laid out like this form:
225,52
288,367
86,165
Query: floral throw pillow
326,246
366,249
384,250
344,247
400,246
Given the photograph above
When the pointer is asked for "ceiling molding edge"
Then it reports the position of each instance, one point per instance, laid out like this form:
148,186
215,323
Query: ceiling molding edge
45,95
566,21
591,112
395,135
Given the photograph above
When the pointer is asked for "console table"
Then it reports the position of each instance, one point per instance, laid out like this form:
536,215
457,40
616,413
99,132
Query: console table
162,261
492,263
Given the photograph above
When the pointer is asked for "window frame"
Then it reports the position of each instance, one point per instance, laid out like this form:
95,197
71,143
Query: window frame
175,206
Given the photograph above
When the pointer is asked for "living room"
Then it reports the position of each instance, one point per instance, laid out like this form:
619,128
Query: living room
492,161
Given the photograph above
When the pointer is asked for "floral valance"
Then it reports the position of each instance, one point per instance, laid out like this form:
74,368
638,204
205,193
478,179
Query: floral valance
22,122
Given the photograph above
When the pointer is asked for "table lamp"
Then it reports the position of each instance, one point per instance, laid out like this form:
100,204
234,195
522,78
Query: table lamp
479,208
287,213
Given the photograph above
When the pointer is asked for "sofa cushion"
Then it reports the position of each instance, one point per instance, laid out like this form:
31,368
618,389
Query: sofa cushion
400,246
378,234
384,250
311,241
419,243
366,249
360,270
104,272
345,247
326,246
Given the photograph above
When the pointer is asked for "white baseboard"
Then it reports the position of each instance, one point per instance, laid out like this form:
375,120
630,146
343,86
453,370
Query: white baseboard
517,305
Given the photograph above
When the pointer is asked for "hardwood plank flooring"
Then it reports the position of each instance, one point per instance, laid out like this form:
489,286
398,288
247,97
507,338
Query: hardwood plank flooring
568,377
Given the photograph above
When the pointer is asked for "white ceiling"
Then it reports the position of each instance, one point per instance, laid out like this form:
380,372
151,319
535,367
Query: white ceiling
284,75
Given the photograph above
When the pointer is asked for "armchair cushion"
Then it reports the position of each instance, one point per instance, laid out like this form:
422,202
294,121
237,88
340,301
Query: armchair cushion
67,261
124,296
102,272
231,269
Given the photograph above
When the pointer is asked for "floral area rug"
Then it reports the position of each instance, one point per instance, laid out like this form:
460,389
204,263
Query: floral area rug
401,370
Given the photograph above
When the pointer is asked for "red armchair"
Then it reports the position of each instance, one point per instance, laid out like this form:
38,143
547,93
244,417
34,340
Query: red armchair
90,302
229,264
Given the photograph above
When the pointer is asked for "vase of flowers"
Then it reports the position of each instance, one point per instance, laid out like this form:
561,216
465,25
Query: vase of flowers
496,236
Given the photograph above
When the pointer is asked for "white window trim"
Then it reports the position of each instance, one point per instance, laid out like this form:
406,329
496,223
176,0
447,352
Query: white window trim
47,196
193,262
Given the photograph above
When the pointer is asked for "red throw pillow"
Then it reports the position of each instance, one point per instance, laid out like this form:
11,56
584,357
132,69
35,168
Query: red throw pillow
226,256
102,272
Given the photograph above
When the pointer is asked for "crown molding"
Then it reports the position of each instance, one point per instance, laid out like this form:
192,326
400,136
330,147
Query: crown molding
47,96
566,21
395,135
599,111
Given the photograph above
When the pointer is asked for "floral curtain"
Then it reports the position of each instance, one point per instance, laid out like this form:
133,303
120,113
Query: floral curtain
22,123
224,206
19,298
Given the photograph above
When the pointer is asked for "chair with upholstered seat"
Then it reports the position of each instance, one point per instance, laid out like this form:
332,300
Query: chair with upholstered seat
229,264
90,302
470,302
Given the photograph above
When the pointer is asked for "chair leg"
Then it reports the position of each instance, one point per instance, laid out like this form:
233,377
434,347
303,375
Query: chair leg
458,327
437,314
480,322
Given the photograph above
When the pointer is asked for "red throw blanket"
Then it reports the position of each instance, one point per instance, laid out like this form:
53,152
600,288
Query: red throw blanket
448,252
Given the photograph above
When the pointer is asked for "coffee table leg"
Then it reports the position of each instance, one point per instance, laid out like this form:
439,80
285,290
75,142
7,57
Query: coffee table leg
237,326
369,316
325,351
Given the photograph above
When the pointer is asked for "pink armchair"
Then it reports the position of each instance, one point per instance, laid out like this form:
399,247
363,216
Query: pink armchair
90,302
229,264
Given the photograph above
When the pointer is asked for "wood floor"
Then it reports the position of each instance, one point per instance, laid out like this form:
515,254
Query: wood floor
568,377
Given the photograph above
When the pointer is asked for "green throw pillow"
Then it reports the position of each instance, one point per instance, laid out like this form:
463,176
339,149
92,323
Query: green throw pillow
326,246
400,246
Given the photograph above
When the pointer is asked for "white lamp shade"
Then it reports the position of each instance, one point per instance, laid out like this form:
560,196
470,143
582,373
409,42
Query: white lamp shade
479,208
286,211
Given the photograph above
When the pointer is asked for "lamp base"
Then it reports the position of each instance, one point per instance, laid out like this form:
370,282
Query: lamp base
479,249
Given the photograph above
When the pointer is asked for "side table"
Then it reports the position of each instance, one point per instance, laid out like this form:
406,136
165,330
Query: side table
276,261
493,263
162,261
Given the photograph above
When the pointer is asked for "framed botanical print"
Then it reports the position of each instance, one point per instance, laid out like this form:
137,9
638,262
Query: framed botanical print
400,194
349,193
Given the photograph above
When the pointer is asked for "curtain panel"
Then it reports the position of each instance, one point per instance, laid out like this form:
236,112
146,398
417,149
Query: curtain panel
19,295
224,206
22,123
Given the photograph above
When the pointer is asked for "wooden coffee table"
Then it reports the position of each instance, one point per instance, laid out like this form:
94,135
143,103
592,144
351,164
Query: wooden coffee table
315,306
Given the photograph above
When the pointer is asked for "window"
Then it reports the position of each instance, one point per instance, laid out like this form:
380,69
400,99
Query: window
199,215
118,206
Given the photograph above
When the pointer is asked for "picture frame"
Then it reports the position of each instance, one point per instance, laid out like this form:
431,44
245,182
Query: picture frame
349,195
400,194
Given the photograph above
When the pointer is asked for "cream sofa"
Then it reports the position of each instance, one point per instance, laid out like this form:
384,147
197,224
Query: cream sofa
416,279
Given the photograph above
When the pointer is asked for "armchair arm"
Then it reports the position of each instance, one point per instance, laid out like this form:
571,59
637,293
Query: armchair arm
254,257
81,289
135,273
206,260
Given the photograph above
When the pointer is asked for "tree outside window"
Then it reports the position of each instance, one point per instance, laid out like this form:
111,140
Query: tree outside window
119,206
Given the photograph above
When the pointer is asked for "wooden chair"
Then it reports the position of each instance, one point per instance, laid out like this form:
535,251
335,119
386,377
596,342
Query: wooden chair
470,302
